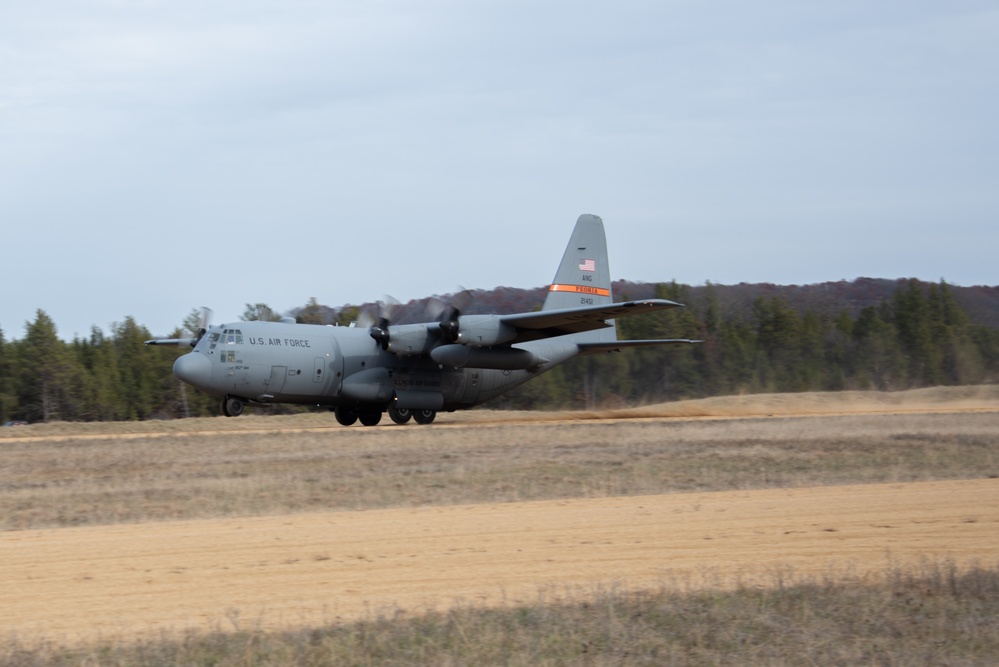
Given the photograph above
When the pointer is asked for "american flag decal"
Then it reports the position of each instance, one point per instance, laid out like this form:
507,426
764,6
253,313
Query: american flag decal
588,265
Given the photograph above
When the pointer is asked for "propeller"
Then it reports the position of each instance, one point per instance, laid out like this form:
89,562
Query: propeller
450,312
206,321
379,329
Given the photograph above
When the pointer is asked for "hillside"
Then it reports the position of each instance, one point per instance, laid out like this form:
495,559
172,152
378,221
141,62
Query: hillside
980,303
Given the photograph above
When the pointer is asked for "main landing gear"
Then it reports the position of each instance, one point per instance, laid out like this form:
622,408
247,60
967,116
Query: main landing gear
348,416
233,406
400,415
425,416
403,415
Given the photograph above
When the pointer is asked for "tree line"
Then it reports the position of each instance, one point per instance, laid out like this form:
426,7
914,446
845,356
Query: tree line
919,336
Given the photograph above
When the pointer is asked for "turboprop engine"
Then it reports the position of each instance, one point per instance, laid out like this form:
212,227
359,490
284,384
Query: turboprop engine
412,339
472,330
483,331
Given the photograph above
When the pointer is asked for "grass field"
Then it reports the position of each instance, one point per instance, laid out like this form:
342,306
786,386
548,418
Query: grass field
59,475
930,614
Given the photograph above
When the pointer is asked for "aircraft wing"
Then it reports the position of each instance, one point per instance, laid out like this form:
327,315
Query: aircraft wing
549,323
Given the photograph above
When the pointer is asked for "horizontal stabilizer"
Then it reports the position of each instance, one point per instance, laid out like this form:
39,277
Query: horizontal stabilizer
547,323
173,341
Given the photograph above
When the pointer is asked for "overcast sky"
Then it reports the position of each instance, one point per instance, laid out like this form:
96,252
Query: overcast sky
160,156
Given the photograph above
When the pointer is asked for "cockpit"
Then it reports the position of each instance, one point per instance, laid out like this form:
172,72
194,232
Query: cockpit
228,339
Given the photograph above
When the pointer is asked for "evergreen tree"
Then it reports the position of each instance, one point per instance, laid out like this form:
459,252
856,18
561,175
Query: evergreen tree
139,374
960,360
100,395
709,351
44,371
911,311
8,396
838,352
877,361
779,345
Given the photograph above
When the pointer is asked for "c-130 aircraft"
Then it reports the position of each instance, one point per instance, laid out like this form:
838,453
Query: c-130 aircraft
412,371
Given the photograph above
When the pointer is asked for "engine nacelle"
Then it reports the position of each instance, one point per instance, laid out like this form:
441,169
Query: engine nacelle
411,339
484,331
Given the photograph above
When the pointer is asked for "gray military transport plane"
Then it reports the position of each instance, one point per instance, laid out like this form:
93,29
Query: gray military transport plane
415,370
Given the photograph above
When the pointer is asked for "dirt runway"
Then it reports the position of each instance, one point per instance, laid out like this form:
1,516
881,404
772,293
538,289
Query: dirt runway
74,584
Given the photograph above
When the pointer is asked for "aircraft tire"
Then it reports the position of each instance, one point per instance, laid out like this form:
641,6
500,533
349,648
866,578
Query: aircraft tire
370,418
232,407
425,416
400,415
345,416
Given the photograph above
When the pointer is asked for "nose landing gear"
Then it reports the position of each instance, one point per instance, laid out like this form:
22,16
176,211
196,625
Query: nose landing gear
232,406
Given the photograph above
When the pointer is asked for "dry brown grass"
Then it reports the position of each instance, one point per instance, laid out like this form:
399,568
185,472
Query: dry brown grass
938,400
928,613
79,474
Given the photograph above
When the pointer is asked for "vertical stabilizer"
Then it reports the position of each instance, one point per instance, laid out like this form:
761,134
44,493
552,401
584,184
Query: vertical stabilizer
583,277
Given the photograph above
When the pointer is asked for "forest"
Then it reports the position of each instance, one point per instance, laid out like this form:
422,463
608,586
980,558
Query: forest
913,334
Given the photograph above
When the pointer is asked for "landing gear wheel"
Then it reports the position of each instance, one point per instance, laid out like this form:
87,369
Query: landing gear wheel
425,416
232,407
345,416
370,418
400,415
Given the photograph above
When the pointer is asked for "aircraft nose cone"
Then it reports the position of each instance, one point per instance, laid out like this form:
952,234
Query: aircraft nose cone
193,368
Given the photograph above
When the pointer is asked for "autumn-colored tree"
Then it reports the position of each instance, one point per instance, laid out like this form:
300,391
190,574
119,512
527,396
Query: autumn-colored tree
259,312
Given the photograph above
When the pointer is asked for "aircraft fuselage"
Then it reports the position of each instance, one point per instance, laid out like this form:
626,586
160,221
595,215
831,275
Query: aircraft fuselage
272,362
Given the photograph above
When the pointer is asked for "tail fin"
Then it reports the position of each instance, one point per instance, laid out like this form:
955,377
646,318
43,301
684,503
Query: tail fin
583,277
